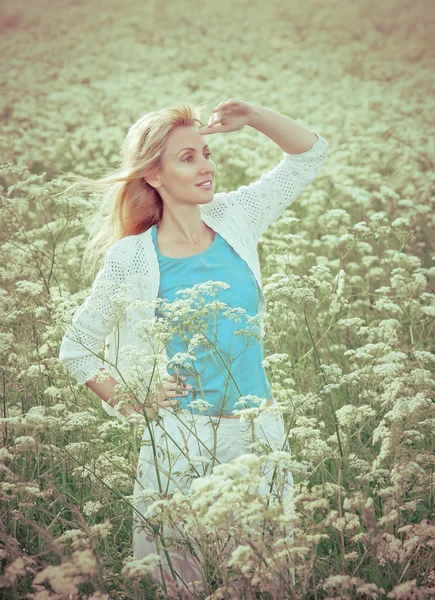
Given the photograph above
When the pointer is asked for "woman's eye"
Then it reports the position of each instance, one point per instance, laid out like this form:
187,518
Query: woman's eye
207,153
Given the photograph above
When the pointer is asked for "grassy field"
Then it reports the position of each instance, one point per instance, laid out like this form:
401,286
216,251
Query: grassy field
348,273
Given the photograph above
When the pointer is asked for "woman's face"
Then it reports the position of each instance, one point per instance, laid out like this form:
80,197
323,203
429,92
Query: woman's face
186,162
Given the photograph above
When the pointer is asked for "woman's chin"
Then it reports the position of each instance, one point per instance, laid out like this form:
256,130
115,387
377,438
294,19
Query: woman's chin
208,200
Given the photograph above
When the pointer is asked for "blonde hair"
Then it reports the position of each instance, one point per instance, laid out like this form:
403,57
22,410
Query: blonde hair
129,205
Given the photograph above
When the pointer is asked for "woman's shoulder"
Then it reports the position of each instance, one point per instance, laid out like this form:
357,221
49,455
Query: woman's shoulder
130,253
128,243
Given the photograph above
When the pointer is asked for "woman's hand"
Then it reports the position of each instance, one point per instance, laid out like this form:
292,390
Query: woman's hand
132,407
171,388
231,115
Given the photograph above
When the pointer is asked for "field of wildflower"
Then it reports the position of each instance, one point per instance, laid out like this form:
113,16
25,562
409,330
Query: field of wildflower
348,274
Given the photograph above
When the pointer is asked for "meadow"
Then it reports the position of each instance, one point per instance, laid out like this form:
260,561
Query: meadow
348,274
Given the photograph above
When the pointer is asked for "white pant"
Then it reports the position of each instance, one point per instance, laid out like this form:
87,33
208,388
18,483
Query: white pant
229,440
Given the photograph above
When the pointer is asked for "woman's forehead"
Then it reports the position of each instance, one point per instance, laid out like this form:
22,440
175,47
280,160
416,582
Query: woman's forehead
185,137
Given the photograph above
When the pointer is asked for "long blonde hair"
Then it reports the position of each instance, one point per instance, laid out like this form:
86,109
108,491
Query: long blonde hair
129,205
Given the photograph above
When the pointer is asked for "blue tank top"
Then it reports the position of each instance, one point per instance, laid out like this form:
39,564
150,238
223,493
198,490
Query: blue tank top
228,363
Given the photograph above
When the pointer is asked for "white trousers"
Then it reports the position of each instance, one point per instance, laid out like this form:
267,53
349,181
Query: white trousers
176,441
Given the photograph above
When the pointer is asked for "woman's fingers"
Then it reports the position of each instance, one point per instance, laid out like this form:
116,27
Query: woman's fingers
177,392
174,387
176,379
169,403
177,384
219,117
172,393
225,105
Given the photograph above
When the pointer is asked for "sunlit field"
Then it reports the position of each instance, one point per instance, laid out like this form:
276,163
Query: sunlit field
348,273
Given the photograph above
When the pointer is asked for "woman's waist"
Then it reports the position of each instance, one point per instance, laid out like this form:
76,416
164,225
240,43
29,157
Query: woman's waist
269,403
219,410
204,419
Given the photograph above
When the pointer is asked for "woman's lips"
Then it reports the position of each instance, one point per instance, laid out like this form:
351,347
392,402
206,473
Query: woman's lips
205,187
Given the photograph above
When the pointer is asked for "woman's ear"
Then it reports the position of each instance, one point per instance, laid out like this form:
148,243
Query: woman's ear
155,183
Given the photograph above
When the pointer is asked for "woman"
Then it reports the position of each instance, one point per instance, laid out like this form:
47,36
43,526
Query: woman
165,234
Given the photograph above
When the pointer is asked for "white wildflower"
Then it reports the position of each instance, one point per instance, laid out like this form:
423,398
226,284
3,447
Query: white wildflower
424,356
200,405
379,216
53,392
140,567
25,442
337,214
361,227
400,221
101,530
276,358
92,508
5,454
29,287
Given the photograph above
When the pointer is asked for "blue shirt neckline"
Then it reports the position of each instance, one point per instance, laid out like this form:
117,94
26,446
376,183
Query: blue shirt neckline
171,258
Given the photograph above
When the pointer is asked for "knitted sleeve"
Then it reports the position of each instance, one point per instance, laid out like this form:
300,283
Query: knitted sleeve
263,201
99,315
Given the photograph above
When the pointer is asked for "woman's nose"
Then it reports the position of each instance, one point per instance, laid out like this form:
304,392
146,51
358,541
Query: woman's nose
207,170
206,166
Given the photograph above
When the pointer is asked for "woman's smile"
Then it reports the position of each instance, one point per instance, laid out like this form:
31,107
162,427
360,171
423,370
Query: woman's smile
205,186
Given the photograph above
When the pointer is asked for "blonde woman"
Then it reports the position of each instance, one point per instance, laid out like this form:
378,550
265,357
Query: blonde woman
161,231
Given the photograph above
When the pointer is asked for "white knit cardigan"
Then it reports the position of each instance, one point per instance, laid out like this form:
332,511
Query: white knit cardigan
240,217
